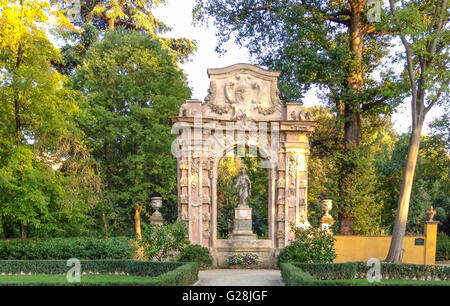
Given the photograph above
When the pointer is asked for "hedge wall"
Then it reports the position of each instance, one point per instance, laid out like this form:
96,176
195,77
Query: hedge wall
65,248
162,273
301,274
388,270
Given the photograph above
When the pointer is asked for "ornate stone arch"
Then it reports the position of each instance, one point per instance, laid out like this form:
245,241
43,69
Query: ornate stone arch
242,102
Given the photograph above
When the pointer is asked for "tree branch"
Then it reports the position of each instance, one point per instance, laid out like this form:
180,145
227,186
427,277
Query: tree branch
431,47
444,86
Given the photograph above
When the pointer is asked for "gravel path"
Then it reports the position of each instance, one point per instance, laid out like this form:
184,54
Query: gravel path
233,277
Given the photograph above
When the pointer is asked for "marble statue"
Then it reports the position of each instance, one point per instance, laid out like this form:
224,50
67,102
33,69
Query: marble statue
245,188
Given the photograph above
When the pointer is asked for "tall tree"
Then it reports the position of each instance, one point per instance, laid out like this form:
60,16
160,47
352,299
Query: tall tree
426,42
34,113
131,85
130,14
315,42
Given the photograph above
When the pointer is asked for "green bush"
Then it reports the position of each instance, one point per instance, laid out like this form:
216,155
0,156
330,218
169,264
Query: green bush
310,246
196,253
162,273
162,241
65,248
443,247
294,276
300,273
327,271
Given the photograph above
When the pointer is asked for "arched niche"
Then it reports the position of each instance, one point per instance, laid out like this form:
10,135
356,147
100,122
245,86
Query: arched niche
242,110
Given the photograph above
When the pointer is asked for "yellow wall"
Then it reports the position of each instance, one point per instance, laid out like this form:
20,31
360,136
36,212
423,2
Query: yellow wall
361,248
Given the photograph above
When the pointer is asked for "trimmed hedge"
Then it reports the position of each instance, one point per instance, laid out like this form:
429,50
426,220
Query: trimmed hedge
162,273
294,276
196,253
303,274
388,270
65,248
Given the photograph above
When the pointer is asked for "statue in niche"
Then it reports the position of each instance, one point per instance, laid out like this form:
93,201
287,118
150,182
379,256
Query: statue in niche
245,188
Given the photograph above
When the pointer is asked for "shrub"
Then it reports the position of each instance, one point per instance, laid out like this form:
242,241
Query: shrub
196,253
160,242
162,273
294,276
311,246
297,273
65,248
327,271
243,259
443,247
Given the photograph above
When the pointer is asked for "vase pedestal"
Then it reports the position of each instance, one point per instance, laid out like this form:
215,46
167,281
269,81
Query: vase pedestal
243,224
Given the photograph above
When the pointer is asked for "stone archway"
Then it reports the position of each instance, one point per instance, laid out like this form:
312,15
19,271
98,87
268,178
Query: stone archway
242,109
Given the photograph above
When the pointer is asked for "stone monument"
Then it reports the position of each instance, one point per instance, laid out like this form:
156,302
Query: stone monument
242,110
243,213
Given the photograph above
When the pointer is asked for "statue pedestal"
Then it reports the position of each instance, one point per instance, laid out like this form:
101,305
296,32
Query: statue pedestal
243,224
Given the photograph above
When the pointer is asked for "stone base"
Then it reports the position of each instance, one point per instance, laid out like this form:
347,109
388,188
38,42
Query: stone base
243,235
264,248
243,224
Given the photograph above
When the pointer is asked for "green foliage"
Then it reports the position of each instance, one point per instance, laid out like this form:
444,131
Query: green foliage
196,253
293,276
303,274
132,14
57,248
37,132
163,273
227,193
431,184
355,189
131,87
443,247
162,241
310,246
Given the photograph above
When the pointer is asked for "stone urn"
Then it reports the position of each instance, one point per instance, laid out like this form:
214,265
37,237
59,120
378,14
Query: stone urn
327,205
431,212
156,217
326,221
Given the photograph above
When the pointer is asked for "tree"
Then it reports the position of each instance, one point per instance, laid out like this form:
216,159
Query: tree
131,85
34,115
129,14
330,44
426,43
361,199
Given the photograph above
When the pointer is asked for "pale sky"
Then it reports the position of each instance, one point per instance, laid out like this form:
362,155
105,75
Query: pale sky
178,15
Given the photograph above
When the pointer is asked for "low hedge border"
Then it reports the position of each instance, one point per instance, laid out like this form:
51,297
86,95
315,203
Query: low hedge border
350,270
301,274
65,248
162,273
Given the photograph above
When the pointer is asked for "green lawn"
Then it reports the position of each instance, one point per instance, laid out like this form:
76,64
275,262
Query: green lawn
58,278
363,281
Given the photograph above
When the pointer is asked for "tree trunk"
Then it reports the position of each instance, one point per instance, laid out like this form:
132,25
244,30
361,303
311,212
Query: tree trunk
352,125
351,109
105,222
396,248
346,225
137,221
23,231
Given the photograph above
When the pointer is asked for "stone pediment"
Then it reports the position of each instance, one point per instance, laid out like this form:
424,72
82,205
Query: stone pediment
243,91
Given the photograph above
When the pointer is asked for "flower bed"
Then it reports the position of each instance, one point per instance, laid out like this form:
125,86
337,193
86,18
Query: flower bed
243,260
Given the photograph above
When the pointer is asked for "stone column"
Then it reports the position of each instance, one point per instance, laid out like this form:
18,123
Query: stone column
430,232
